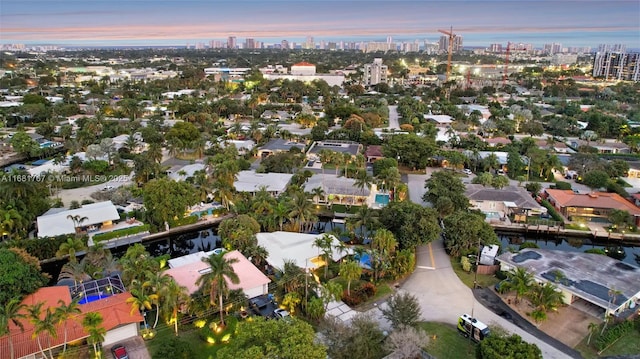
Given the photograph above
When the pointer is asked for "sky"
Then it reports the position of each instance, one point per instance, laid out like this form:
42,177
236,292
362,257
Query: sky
178,22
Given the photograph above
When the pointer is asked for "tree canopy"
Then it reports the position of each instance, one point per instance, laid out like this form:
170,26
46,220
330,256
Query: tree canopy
263,339
20,274
446,184
411,223
511,347
463,231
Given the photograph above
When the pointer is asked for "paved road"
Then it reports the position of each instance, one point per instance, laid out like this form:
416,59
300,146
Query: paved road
393,118
443,297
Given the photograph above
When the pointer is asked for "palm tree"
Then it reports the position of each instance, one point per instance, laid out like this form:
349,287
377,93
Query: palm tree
519,281
64,312
156,283
74,270
383,245
11,312
592,328
221,270
363,179
281,213
350,270
292,277
317,193
70,247
325,245
545,298
77,222
301,210
92,323
46,324
141,301
173,296
613,295
365,218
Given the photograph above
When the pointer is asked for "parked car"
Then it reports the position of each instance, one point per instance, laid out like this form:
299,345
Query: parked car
467,171
280,314
107,188
119,352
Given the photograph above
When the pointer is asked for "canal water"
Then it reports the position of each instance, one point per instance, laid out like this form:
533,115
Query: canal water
207,239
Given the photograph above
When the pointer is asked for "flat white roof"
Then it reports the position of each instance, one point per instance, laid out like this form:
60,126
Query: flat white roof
58,223
297,247
251,181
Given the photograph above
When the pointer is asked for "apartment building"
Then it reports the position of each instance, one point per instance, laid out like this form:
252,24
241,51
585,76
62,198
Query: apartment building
375,73
615,65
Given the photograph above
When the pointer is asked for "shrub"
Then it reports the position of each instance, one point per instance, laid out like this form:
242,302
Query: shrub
612,334
614,187
121,233
562,185
175,348
552,211
529,245
359,294
596,251
466,264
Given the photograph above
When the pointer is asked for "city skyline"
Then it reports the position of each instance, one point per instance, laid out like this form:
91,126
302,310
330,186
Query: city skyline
175,23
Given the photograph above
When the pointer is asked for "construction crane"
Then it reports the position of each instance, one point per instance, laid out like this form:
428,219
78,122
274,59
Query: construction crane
505,74
452,36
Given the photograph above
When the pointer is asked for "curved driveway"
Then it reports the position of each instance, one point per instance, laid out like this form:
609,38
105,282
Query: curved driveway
443,297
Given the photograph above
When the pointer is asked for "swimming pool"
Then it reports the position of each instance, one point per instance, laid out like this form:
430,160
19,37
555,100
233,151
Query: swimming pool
92,298
382,199
364,260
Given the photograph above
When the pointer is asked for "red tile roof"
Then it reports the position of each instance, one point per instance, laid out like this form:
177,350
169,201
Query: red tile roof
114,309
568,198
374,151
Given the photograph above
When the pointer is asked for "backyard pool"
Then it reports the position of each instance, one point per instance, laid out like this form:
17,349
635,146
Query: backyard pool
364,260
92,298
382,199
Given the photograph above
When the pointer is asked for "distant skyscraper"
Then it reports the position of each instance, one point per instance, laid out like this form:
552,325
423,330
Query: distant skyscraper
497,48
612,48
231,42
375,73
249,44
309,44
554,48
444,43
284,44
617,66
389,39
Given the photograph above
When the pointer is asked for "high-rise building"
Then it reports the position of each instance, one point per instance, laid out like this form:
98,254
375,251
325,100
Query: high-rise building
612,48
617,66
444,44
249,43
496,48
309,44
231,42
554,48
375,73
284,45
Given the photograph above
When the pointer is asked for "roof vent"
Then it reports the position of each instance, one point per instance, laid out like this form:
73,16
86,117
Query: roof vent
593,195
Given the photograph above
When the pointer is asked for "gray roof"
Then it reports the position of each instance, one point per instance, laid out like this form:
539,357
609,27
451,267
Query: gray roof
517,195
334,185
588,276
337,146
250,181
278,144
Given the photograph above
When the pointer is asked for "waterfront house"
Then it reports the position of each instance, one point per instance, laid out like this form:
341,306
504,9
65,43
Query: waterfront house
296,247
497,204
90,217
594,206
119,322
278,145
187,269
252,182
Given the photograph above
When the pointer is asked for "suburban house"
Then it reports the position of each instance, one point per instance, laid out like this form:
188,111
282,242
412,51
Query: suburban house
181,173
594,206
187,269
584,279
90,217
602,147
350,147
118,320
497,141
276,116
500,203
297,247
373,153
278,145
340,190
253,182
243,146
443,121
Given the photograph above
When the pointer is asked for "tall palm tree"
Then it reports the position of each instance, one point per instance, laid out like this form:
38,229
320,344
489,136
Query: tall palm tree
65,312
363,180
545,297
281,212
11,312
77,222
92,323
350,271
519,281
292,277
141,301
365,217
221,270
76,271
317,193
173,296
325,245
301,210
42,324
70,247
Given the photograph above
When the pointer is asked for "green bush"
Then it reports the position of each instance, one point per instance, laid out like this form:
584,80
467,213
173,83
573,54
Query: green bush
41,248
614,187
612,334
552,211
529,245
182,221
359,294
596,251
562,185
121,233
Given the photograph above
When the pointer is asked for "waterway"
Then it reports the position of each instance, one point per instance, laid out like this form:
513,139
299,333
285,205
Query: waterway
207,239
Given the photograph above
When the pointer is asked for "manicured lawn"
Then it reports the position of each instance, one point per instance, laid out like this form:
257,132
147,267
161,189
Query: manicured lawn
484,281
627,345
446,342
189,334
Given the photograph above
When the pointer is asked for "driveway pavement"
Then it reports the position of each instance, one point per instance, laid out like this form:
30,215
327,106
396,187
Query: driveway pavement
444,298
82,193
393,118
416,187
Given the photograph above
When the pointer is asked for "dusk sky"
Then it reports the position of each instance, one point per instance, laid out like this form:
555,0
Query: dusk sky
177,22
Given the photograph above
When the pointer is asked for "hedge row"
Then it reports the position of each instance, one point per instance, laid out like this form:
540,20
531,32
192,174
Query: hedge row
552,211
121,233
613,333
